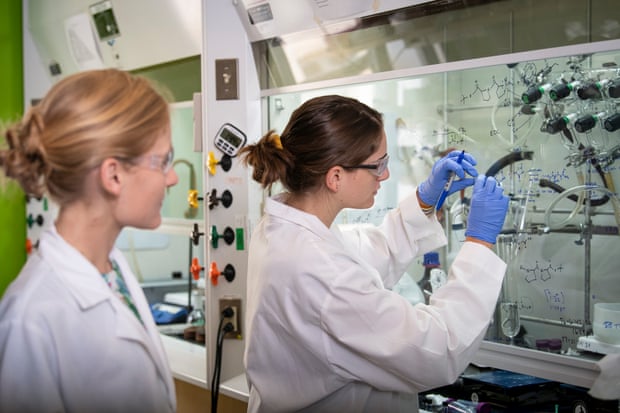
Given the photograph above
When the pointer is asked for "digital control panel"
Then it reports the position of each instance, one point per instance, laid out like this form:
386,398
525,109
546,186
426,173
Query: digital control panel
230,139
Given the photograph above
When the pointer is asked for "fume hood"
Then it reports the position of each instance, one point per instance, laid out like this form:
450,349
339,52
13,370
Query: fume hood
264,19
75,35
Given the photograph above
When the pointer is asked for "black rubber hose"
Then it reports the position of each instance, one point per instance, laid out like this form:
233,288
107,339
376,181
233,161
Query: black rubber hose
511,158
545,183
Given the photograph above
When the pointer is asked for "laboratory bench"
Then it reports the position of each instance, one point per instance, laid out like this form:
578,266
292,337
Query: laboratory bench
188,362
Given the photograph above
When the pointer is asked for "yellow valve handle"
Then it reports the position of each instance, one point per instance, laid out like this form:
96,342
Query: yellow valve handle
211,163
192,198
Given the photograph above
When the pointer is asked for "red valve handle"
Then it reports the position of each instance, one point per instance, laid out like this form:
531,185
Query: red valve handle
195,269
214,273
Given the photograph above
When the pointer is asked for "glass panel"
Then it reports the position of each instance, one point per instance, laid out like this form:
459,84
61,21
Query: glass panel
159,256
155,256
180,77
549,130
187,164
431,33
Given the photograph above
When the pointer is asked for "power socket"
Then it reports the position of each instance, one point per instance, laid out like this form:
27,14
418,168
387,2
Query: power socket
235,320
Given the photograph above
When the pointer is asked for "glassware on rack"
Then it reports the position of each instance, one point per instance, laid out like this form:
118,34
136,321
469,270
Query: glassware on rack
527,193
509,319
197,316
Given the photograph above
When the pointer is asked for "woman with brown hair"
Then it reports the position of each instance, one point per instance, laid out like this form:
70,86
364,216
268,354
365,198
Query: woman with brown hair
325,332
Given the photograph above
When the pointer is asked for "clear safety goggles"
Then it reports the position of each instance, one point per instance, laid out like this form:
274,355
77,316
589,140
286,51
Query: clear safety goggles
155,162
377,168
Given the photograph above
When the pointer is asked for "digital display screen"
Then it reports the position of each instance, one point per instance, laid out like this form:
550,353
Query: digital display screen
231,138
105,22
260,13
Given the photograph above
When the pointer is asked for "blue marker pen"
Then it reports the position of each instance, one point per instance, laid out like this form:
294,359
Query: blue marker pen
446,189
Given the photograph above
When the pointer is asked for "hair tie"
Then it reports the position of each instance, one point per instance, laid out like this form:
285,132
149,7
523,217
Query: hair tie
275,139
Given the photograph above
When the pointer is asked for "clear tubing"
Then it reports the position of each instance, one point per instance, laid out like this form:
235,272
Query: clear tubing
575,210
581,190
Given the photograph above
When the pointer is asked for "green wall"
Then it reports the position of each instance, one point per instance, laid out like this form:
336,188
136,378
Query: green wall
12,200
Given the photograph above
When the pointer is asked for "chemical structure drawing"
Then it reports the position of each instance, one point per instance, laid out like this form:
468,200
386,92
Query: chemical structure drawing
556,300
540,272
370,216
485,93
554,296
518,174
452,137
522,240
556,176
525,303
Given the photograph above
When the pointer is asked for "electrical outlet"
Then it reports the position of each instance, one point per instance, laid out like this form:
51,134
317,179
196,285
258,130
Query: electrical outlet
235,320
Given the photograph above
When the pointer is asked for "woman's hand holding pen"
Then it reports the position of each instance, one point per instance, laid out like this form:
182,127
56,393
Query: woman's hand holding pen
443,170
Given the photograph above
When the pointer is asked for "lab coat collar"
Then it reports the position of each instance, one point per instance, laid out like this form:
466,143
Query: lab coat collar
84,282
80,277
275,206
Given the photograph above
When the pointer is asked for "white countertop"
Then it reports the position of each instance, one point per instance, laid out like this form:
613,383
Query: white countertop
237,388
188,363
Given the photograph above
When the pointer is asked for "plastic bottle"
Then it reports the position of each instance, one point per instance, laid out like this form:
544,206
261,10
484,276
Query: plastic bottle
434,277
431,260
555,345
542,344
197,316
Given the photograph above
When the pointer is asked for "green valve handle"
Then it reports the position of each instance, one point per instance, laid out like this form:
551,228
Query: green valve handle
228,236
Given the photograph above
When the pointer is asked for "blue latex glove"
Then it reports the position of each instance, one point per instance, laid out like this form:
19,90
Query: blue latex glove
431,188
488,210
167,317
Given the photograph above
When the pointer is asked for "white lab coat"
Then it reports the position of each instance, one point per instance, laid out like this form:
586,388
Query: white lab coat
325,333
67,344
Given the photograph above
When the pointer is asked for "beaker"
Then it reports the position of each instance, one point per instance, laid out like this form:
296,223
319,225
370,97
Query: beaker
525,198
510,321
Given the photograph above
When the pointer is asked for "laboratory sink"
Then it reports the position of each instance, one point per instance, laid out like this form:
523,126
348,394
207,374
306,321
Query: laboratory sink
155,291
186,332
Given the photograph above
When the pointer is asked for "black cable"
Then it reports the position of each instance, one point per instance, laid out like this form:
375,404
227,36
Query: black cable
215,385
511,158
216,367
219,344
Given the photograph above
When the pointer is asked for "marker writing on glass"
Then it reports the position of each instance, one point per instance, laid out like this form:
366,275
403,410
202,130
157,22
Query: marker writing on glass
446,188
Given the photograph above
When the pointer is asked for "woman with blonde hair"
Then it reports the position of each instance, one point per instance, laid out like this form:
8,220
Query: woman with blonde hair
76,332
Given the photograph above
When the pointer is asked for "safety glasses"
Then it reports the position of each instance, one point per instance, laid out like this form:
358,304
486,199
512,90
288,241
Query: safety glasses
155,162
376,168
